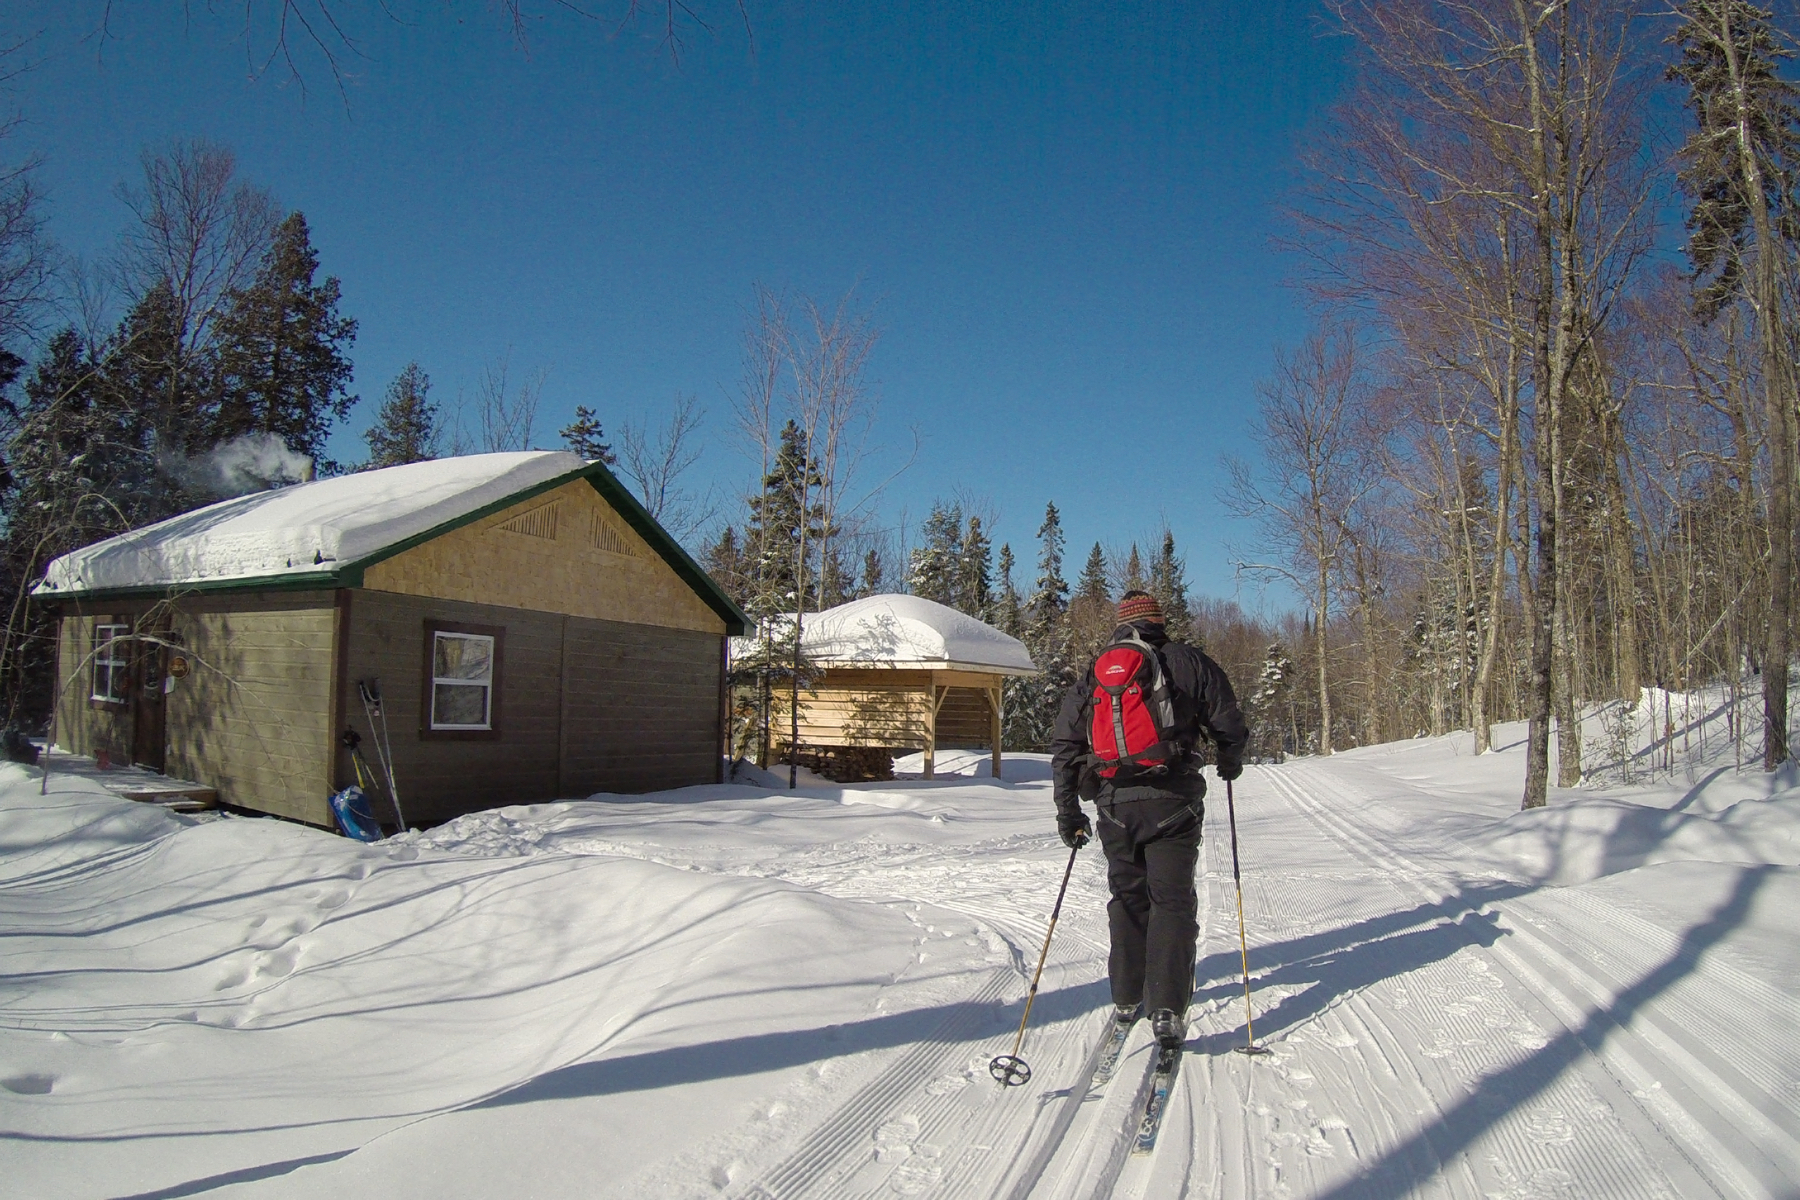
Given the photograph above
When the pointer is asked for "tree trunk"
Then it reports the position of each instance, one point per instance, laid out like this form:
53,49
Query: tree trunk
1324,687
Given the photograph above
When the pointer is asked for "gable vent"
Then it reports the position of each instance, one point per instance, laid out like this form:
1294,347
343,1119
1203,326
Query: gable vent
539,522
605,537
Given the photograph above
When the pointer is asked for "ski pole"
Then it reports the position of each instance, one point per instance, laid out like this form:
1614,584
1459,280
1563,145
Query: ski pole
1249,1046
1010,1069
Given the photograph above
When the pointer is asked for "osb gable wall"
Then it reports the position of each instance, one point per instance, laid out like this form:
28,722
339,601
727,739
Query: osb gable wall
252,716
565,551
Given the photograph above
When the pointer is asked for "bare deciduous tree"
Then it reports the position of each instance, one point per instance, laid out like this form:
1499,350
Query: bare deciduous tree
657,459
505,409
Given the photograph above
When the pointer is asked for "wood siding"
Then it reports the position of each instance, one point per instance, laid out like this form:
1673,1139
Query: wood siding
588,706
251,718
564,552
890,708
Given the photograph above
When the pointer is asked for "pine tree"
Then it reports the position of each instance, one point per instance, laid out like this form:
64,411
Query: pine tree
933,572
281,362
584,436
1008,610
1168,583
974,573
149,411
406,428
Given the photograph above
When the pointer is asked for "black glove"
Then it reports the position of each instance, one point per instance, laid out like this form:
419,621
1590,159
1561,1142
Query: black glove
1075,828
1229,769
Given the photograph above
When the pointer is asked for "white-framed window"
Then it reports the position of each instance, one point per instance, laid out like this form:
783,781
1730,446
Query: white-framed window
112,662
462,681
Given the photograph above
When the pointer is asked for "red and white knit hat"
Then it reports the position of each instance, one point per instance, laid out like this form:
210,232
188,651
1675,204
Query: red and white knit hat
1139,606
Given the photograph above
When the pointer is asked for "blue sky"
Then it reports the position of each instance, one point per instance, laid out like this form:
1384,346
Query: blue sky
1060,214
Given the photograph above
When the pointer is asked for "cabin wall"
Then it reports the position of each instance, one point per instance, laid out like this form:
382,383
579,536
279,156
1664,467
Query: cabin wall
585,706
253,716
84,726
564,552
250,719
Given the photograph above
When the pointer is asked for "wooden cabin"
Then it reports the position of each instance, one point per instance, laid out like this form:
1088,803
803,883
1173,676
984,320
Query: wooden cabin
531,631
901,673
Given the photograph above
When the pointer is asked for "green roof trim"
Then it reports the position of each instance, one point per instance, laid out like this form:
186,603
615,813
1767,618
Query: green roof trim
350,574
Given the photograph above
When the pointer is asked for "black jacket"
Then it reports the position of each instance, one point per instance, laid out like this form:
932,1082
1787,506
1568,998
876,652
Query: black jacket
1205,707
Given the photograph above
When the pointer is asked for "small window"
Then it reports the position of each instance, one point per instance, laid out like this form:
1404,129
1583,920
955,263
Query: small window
111,662
462,681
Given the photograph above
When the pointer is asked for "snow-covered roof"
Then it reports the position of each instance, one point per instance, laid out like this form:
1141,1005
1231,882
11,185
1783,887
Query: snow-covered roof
304,529
908,631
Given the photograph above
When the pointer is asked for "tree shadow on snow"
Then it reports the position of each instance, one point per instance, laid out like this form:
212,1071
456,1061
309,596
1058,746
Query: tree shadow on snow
962,1021
1402,1169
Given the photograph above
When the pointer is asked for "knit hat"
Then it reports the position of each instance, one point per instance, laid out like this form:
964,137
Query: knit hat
1139,606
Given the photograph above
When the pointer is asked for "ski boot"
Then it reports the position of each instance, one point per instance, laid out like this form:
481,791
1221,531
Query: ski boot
1170,1028
1126,1015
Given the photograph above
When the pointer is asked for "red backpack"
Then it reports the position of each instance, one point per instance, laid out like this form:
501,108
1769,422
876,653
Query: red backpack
1134,713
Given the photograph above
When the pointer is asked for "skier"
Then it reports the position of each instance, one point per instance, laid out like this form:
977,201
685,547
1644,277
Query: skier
1129,742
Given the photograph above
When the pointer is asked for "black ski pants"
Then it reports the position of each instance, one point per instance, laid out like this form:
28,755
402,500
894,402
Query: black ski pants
1152,847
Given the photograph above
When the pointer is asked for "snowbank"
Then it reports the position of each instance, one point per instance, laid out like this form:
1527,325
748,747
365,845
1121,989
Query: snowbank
306,527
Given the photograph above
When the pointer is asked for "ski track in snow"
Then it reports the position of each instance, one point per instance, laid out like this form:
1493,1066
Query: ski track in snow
1443,1020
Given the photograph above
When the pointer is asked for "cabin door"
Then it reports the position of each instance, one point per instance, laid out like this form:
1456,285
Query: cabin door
149,706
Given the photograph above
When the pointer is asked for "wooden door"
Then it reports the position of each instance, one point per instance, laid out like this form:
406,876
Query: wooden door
149,726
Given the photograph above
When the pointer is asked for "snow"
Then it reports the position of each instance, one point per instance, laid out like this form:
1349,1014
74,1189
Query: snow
741,991
306,527
908,631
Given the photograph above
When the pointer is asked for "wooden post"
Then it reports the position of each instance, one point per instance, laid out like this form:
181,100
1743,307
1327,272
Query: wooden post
931,736
995,697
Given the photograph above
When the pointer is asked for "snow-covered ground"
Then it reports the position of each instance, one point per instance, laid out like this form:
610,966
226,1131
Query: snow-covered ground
731,991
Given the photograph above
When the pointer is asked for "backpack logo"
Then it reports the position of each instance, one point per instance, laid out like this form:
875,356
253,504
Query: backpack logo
1133,724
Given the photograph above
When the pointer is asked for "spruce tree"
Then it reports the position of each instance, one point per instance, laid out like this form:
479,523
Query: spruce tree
281,366
933,572
149,410
1008,610
406,428
774,530
874,580
584,436
1032,704
974,573
724,561
1091,610
1135,579
1168,583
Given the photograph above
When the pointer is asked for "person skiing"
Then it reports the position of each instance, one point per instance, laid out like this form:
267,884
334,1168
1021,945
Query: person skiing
1127,738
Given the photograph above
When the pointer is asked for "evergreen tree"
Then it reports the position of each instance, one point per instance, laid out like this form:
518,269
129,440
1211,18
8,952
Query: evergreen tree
1168,583
405,429
774,533
1008,609
77,467
873,575
281,365
584,436
1032,703
974,573
152,402
1262,708
933,572
724,561
836,578
1092,616
1135,579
